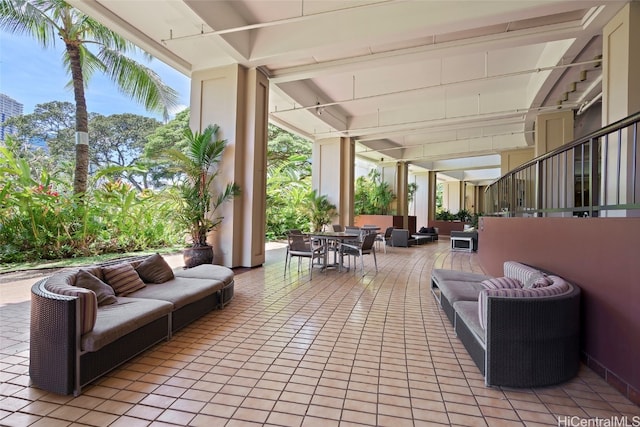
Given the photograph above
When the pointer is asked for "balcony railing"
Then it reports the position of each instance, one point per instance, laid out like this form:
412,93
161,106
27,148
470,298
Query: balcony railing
596,175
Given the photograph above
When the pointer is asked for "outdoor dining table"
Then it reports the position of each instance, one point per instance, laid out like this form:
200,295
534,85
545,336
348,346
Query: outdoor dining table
370,229
332,236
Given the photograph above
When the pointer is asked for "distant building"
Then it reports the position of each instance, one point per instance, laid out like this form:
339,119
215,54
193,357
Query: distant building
9,107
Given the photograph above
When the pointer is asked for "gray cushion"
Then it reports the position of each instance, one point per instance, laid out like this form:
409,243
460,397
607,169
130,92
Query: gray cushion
127,315
104,293
179,291
154,269
467,312
441,274
207,271
454,290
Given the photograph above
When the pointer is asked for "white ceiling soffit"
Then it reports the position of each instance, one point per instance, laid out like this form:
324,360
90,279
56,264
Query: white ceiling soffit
416,81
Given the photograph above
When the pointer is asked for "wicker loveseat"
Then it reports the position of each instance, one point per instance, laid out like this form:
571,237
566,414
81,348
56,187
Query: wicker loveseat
521,330
85,322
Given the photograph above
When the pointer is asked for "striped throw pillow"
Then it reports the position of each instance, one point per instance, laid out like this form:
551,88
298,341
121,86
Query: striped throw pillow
86,299
123,278
502,283
104,293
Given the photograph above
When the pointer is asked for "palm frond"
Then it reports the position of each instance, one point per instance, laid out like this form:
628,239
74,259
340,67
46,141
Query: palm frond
89,62
138,81
25,18
102,35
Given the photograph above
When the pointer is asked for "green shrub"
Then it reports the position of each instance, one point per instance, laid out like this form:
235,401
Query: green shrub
40,218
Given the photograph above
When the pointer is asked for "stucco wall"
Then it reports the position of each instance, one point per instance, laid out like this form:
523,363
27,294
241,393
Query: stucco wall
602,256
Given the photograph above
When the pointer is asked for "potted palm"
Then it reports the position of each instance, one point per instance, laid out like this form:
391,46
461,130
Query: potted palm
198,164
321,211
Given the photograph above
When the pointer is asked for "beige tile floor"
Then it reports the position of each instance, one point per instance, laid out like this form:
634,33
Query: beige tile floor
339,350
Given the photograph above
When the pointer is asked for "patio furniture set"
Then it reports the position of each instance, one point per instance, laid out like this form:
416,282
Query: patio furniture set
351,243
403,238
86,322
521,330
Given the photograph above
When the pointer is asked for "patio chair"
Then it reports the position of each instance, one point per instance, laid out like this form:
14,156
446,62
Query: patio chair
384,238
360,250
338,228
356,232
299,246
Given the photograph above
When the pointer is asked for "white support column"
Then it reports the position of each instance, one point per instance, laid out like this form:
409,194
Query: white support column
236,99
423,198
333,174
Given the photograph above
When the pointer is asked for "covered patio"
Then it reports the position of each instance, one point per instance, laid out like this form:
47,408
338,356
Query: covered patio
340,349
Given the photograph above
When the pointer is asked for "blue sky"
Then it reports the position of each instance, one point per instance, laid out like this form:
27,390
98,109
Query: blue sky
32,75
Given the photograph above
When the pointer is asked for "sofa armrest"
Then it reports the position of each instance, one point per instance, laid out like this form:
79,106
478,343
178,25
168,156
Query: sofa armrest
54,340
532,342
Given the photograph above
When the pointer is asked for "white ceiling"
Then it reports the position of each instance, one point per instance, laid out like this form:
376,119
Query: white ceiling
410,80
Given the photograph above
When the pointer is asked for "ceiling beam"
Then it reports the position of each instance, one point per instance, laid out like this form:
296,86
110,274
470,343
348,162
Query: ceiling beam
430,51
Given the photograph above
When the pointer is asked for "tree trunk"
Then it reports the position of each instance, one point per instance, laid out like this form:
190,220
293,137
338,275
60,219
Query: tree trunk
82,123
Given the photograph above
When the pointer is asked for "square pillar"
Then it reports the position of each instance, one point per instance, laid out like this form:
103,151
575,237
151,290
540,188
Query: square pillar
333,174
236,99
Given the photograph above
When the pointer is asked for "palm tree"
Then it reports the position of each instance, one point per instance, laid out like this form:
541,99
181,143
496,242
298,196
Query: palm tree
48,20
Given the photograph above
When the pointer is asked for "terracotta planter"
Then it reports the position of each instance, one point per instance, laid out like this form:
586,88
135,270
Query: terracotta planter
197,255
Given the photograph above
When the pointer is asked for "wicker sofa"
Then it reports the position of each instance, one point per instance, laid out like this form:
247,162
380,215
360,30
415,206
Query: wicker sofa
521,330
84,322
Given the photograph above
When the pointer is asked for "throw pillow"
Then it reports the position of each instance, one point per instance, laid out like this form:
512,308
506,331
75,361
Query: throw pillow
423,230
502,283
104,293
123,278
154,269
536,280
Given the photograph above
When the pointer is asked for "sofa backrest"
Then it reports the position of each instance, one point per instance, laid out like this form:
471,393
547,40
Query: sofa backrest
557,287
519,271
62,283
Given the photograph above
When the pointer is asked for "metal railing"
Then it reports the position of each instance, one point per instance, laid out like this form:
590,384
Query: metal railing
596,175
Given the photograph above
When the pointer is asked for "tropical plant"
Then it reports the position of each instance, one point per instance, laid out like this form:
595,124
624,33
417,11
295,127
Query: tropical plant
475,219
286,192
48,20
40,217
463,215
411,191
288,182
199,164
373,196
445,215
320,209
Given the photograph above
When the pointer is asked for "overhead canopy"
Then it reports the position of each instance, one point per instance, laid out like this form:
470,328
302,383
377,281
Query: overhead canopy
416,81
